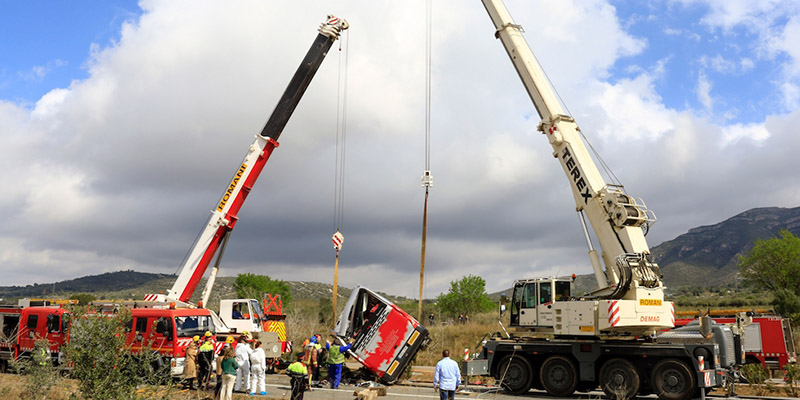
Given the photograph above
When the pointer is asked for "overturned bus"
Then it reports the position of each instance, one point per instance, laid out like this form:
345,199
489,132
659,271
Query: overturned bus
386,338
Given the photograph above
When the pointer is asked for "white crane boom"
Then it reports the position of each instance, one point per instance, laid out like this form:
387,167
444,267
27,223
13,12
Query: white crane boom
617,219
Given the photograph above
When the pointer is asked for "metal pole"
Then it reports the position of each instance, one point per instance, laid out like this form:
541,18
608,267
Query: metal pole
422,258
335,284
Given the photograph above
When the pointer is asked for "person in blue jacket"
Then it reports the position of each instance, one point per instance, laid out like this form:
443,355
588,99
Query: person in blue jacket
335,360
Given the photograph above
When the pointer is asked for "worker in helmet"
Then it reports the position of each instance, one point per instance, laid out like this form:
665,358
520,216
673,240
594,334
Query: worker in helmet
310,358
205,357
320,356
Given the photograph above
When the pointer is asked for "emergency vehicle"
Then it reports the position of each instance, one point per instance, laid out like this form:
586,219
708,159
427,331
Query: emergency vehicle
768,340
21,327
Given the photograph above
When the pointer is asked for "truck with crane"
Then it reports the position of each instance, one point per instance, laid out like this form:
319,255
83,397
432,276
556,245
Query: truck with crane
167,323
163,309
606,338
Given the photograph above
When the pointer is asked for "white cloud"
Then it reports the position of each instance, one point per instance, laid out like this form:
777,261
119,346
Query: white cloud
722,65
776,27
121,168
756,132
704,91
38,72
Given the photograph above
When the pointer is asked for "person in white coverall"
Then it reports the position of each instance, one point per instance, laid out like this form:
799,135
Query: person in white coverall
258,367
243,351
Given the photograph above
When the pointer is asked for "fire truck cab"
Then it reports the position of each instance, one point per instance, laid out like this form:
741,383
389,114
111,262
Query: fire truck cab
21,327
168,332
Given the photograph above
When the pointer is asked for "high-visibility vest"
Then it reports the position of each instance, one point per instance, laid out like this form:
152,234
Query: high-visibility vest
206,346
43,358
335,355
298,368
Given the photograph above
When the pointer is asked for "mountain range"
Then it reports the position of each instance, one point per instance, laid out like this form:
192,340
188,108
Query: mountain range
709,255
704,256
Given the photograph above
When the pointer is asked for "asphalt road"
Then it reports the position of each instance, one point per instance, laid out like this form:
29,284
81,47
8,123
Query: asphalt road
278,388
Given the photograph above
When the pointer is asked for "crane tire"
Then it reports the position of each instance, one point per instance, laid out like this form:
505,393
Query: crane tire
619,379
515,374
559,376
673,380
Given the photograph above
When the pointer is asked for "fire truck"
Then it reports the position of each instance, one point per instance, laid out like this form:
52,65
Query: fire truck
565,341
21,327
768,339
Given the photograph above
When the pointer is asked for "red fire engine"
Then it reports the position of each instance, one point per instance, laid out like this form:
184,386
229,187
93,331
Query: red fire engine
768,340
21,327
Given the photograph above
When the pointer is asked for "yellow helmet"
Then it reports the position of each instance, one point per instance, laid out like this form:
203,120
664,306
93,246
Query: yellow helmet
229,339
244,333
196,338
208,334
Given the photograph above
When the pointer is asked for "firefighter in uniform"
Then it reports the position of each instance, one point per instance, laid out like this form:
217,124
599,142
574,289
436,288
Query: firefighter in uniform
205,356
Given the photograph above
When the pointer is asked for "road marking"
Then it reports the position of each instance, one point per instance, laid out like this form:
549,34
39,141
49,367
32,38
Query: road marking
388,394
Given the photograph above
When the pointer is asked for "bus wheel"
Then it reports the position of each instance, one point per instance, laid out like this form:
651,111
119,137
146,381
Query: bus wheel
619,379
558,376
673,380
515,375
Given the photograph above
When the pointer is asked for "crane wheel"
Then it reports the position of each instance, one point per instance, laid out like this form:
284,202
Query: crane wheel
619,379
515,375
559,376
673,380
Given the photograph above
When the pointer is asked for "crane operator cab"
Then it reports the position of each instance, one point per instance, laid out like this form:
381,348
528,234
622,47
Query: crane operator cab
532,301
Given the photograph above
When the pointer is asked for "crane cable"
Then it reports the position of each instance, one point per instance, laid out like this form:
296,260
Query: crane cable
427,177
339,168
341,138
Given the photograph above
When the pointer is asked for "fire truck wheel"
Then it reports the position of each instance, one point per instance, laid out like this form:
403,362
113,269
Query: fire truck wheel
558,376
3,367
619,379
672,380
515,375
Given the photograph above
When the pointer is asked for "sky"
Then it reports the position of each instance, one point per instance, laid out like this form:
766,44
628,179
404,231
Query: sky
121,124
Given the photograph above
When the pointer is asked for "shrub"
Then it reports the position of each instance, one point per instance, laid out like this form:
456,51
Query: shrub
38,371
105,366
